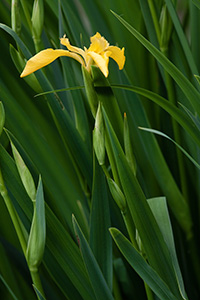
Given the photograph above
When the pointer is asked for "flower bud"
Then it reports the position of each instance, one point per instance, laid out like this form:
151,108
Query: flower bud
37,236
20,63
117,194
25,174
128,147
15,17
166,28
99,137
90,91
37,20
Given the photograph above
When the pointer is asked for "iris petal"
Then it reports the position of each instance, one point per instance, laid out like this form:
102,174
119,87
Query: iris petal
101,61
98,43
65,41
45,57
118,55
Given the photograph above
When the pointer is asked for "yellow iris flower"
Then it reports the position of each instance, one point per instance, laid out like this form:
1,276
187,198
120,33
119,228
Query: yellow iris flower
97,54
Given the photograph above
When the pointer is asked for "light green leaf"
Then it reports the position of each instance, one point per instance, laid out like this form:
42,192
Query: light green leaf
144,270
160,211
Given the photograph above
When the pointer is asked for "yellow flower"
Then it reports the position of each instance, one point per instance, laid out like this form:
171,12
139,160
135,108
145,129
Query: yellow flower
97,54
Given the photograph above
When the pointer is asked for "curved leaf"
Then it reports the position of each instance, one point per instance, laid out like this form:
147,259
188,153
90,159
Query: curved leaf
138,263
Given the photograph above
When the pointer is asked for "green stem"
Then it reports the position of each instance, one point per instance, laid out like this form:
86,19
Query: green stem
19,230
130,226
37,282
177,135
12,212
26,13
155,19
116,290
38,44
194,255
112,160
148,292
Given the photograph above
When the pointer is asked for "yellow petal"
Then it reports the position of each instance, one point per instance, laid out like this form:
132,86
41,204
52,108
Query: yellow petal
118,55
98,43
65,41
45,57
101,61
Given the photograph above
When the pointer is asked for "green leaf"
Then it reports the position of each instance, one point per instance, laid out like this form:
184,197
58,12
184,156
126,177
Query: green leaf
97,279
138,263
195,119
189,90
100,223
181,148
62,255
152,240
175,112
159,208
182,36
37,236
74,88
128,147
63,121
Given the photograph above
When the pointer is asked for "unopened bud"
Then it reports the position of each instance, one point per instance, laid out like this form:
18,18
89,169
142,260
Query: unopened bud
37,19
117,194
25,174
166,28
128,147
99,137
15,17
20,63
37,236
